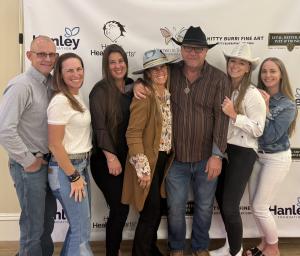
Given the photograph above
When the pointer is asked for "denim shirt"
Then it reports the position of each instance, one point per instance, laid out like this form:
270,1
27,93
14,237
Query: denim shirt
282,113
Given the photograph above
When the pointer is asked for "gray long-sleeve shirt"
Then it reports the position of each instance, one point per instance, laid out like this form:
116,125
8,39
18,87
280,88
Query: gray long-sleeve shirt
23,116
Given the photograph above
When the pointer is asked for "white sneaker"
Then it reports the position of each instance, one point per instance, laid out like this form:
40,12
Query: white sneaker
240,253
223,251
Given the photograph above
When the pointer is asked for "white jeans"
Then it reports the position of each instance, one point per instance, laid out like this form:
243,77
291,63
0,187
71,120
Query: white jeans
268,172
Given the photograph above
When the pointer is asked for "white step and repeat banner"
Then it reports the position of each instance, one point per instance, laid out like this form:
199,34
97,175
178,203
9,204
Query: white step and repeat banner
87,27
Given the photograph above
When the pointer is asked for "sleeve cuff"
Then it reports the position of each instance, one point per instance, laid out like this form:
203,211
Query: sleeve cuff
141,164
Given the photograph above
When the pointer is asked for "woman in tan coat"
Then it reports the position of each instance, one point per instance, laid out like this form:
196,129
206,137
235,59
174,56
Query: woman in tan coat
148,137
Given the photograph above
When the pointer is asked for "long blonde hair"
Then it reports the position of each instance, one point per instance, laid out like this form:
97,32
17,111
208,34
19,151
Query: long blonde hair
284,86
245,83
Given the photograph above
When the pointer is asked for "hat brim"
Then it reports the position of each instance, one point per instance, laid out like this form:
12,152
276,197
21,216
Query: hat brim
187,42
254,62
140,71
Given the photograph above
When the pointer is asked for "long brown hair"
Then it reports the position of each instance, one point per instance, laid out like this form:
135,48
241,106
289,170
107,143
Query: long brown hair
245,83
114,107
59,84
284,86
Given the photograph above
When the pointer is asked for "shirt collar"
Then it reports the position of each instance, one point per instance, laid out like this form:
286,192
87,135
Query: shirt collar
38,76
278,96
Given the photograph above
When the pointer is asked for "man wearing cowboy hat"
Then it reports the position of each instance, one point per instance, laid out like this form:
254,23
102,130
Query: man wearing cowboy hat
199,131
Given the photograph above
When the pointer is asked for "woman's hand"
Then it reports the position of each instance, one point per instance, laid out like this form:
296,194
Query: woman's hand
114,166
36,165
228,108
77,189
266,97
144,181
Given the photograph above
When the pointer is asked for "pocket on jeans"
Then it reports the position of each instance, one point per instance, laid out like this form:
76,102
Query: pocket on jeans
53,180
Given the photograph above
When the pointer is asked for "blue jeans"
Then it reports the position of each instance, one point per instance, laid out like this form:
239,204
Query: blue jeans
178,181
78,213
38,209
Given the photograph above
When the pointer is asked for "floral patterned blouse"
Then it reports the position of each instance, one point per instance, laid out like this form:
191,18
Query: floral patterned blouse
140,161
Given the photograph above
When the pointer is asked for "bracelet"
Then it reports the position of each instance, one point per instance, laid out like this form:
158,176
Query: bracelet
39,155
111,159
74,177
217,156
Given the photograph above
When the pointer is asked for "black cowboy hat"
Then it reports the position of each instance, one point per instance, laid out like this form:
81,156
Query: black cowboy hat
194,36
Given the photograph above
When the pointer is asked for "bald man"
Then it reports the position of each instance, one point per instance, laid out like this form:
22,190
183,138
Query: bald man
23,134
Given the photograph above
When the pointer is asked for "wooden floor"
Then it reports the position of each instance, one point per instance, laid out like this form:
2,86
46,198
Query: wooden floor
288,247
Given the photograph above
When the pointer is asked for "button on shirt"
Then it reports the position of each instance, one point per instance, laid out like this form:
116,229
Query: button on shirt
198,120
23,116
249,125
282,113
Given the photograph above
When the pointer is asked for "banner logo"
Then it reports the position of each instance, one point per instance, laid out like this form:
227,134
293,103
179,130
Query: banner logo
177,34
60,216
67,41
69,32
297,96
295,154
290,40
286,212
113,30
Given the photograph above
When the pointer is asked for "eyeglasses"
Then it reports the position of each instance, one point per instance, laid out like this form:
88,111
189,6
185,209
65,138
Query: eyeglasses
191,48
44,55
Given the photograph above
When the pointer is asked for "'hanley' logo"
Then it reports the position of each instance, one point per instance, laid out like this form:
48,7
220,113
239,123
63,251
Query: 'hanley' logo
68,40
297,95
60,216
70,32
298,203
113,30
287,212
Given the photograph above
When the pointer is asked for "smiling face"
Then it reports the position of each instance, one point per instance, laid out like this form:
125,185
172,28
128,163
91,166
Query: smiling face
73,74
271,76
237,68
36,54
117,66
193,56
158,75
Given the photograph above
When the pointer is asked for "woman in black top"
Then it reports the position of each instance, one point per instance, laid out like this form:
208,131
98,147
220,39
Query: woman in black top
109,106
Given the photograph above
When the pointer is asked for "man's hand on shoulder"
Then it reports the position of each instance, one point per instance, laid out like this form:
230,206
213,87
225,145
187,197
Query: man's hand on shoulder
140,91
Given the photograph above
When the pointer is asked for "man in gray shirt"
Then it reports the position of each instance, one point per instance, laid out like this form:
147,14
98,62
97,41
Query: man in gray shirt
23,133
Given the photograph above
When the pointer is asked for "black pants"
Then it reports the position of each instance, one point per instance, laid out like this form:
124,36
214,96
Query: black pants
231,186
111,187
144,243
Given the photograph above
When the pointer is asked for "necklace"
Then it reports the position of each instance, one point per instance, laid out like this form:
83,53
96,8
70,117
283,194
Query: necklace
187,88
159,94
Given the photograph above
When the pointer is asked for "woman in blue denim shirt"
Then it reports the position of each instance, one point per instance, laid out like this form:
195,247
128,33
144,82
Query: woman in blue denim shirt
274,154
69,132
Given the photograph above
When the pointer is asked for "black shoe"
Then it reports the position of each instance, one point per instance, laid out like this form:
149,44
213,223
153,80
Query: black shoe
155,251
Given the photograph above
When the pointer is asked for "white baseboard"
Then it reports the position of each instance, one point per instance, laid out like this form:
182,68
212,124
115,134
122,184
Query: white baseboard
9,226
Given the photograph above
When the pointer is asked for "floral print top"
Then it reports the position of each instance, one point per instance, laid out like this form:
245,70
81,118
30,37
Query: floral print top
140,161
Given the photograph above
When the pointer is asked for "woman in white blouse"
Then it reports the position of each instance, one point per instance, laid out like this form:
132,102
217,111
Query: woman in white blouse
69,132
247,112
